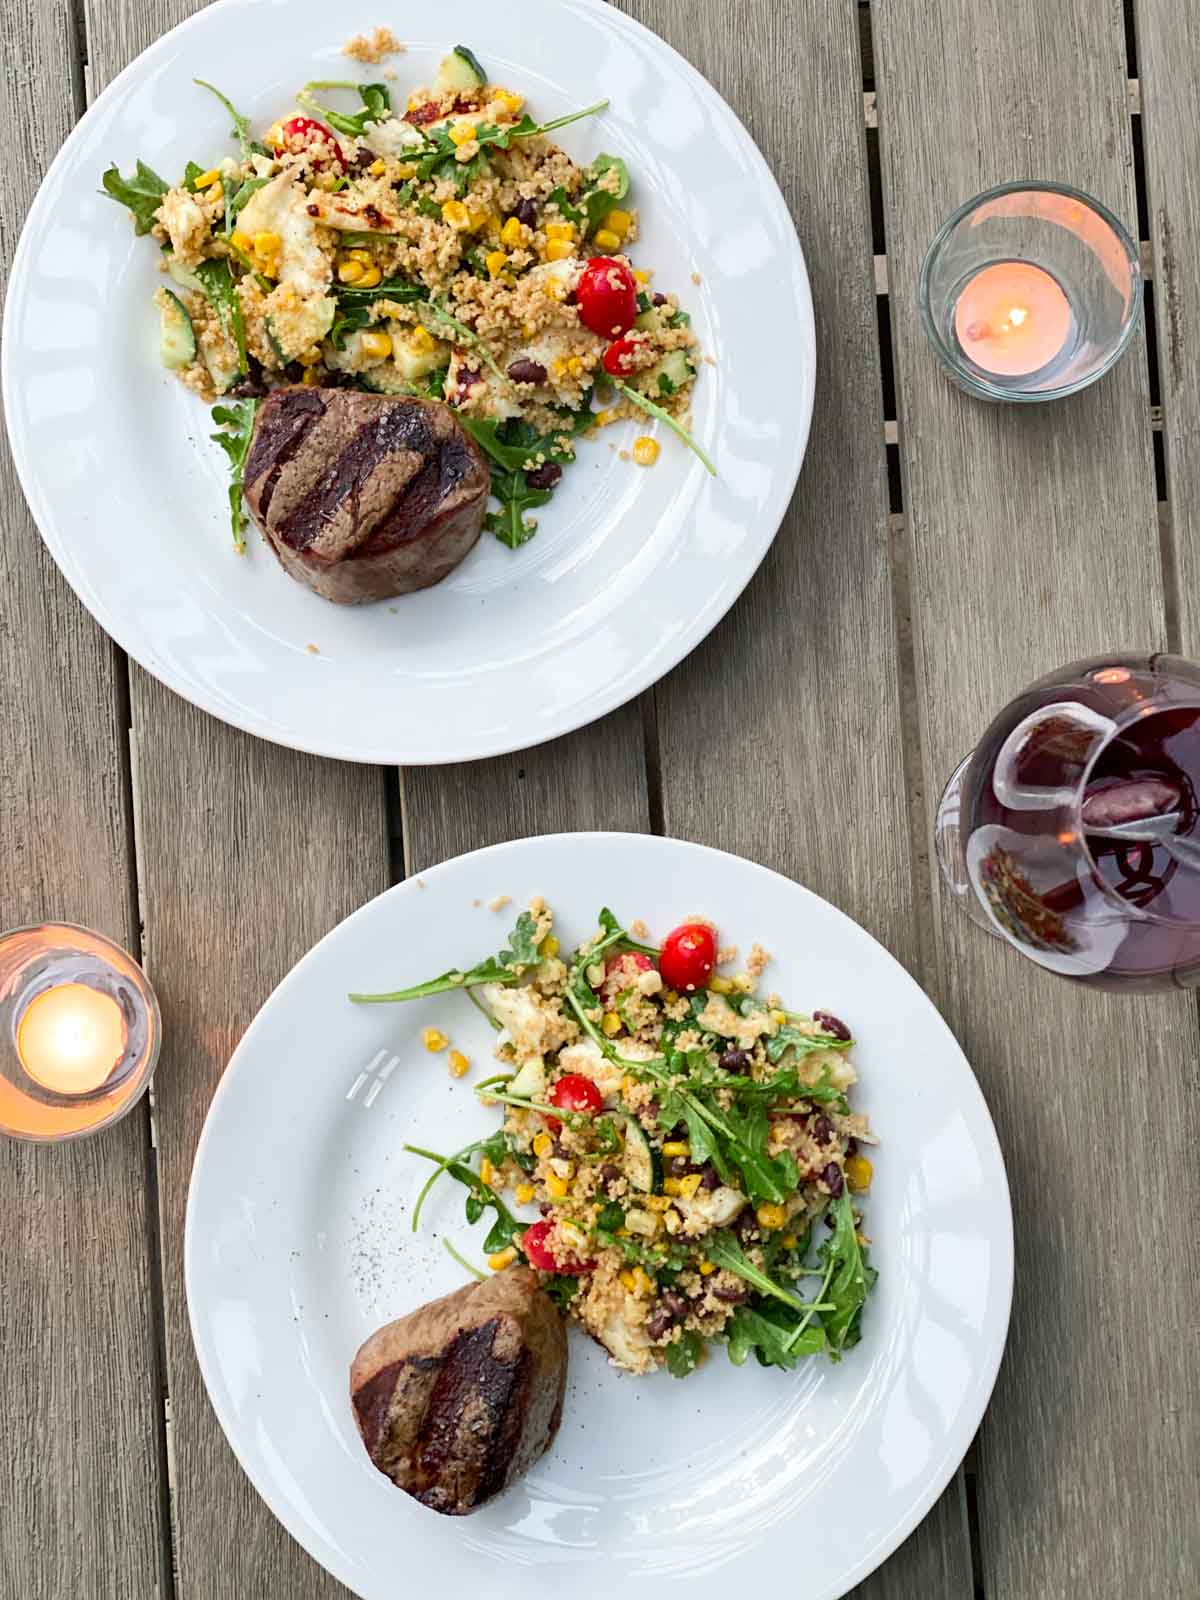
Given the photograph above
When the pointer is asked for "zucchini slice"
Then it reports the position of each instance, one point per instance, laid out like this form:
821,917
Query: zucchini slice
178,339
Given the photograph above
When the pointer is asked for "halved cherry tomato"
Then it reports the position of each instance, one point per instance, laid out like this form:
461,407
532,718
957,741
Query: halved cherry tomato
621,972
689,954
617,357
297,132
607,295
533,1242
574,1092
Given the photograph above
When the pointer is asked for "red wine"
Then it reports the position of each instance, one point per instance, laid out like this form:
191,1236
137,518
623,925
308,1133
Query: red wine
1098,745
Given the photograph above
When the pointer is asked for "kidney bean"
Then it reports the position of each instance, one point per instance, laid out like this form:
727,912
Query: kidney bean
526,211
650,1112
832,1179
609,1173
660,299
833,1025
735,1061
675,1303
822,1130
526,371
545,476
660,1321
733,1297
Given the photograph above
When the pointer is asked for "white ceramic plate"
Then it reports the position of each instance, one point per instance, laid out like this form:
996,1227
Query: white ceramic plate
299,1245
630,568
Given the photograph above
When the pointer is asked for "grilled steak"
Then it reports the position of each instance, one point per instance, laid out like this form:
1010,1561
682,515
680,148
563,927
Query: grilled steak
455,1401
364,496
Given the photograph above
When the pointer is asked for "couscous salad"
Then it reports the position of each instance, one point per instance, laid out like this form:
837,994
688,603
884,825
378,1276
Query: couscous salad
443,247
690,1145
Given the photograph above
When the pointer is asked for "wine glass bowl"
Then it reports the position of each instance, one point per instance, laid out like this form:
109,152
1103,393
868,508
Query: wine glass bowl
1073,828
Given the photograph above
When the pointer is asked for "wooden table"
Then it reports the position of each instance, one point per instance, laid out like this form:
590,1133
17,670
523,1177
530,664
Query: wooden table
938,554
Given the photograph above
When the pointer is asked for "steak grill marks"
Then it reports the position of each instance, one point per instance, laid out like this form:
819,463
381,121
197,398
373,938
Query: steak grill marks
279,434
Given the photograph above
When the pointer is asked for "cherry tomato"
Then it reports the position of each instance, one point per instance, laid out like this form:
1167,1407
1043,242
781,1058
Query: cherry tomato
533,1243
607,295
689,954
617,357
297,132
621,972
574,1092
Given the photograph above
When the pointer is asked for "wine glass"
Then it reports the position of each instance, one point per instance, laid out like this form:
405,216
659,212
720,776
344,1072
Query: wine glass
1073,828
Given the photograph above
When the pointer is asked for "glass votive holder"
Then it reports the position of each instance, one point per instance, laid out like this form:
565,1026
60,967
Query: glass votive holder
79,1032
1030,292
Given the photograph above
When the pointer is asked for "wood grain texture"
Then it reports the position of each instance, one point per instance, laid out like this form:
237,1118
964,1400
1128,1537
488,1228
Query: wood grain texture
79,1382
248,854
1168,41
1034,541
799,683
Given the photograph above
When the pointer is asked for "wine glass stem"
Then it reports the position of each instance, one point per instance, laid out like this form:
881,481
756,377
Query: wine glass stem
951,853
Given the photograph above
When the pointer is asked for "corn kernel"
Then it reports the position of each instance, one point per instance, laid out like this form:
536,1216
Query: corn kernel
657,1202
349,271
575,366
689,1185
310,357
487,1172
610,1024
618,222
627,1279
743,982
789,1241
494,223
637,1281
513,232
559,249
456,215
458,1064
707,1268
311,377
673,1186
717,985
543,1145
377,345
434,1040
607,240
645,453
859,1173
503,1258
421,340
677,1147
463,133
377,168
560,230
478,219
554,289
771,1216
371,278
628,1085
241,241
513,103
495,261
672,1221
558,1187
215,191
524,1193
549,947
640,276
778,1017
207,179
407,169
267,244
361,255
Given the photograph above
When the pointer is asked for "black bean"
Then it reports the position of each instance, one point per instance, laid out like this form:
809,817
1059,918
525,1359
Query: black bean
833,1025
609,1174
525,371
363,160
651,1111
851,1147
746,1226
526,211
293,372
735,1061
710,1178
545,476
675,1303
545,1208
659,1323
678,1166
733,1297
822,1130
832,1179
248,389
660,299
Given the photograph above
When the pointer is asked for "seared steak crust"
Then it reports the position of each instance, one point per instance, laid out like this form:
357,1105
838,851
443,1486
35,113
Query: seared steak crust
364,496
457,1400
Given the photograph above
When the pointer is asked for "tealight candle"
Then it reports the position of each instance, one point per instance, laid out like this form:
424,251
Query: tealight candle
71,1038
1012,318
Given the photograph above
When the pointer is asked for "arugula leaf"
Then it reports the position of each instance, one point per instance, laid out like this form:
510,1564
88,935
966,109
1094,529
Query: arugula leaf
241,125
190,173
562,1288
507,967
141,193
354,305
439,158
463,1262
598,200
610,1217
771,1332
640,400
221,292
790,1038
376,99
480,1197
235,199
466,336
237,423
726,1251
683,1355
848,1279
615,933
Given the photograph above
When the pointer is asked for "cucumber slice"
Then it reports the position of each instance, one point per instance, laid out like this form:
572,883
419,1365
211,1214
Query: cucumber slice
178,341
223,375
675,367
183,276
642,1164
530,1082
459,72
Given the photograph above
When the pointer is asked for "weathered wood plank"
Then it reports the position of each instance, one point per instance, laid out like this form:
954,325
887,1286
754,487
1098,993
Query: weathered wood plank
1034,540
799,683
79,1383
218,937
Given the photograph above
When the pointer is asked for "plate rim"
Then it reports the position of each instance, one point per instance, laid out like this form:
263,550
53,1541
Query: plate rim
120,629
935,1484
